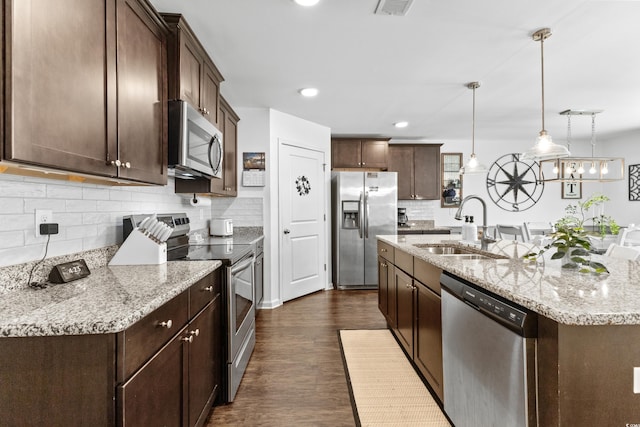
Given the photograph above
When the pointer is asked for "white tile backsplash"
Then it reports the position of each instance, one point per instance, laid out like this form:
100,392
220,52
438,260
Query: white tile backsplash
90,215
420,209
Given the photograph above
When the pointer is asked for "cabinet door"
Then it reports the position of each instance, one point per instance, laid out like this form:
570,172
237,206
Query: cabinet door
191,69
142,94
401,161
426,160
60,84
230,172
210,96
346,153
383,286
428,337
201,363
154,395
404,293
375,153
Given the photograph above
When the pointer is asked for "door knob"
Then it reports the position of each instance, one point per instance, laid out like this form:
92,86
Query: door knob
287,231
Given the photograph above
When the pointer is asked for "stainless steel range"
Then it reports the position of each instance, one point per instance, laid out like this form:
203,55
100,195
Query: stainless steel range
238,289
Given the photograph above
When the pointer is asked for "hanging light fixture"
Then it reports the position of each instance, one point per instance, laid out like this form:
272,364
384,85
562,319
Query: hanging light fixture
582,169
473,166
544,147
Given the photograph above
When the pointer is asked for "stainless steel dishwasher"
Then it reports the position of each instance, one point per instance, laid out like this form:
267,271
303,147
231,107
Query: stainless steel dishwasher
489,357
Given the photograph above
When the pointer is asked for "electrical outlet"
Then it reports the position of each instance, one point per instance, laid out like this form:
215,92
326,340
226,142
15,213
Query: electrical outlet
43,216
636,380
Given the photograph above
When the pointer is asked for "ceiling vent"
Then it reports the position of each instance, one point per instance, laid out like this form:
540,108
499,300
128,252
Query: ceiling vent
393,7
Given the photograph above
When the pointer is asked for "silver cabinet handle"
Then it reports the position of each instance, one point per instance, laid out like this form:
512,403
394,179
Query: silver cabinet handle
287,231
383,265
166,324
188,339
195,333
208,289
126,165
117,163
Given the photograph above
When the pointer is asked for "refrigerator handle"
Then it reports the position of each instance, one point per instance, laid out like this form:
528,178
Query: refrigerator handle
361,215
366,215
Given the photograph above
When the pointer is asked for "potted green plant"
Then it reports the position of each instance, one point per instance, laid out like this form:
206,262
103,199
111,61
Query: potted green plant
573,242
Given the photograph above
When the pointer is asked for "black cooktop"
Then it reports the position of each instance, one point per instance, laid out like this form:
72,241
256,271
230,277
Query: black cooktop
227,253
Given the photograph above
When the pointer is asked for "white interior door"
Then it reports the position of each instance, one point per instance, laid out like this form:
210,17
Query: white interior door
302,221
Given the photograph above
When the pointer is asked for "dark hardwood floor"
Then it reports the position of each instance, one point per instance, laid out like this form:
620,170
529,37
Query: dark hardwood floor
295,376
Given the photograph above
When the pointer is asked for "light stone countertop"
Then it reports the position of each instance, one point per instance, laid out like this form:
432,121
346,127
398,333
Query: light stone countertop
566,296
109,300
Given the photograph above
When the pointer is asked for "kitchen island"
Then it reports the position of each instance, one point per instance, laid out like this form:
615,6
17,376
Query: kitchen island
588,325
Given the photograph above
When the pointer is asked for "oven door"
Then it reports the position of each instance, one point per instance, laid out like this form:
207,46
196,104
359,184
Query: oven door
241,303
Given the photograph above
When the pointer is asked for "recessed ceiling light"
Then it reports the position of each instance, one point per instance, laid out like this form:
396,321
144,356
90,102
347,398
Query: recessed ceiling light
307,2
309,92
401,124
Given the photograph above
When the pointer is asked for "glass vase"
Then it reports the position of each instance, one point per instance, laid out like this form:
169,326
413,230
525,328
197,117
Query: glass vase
566,261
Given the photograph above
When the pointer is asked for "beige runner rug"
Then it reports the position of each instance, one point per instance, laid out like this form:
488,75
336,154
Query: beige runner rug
385,388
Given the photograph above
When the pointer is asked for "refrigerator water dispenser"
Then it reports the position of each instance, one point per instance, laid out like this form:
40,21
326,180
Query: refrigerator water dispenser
350,214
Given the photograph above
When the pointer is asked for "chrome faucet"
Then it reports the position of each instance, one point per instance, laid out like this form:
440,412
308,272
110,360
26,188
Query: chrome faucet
484,240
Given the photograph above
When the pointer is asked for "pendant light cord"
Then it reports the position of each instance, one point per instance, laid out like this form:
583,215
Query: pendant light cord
542,36
473,123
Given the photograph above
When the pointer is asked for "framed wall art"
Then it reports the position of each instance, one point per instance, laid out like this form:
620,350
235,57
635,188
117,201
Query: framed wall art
634,183
571,189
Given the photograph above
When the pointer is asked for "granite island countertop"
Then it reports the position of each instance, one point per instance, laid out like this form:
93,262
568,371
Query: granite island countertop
565,296
109,300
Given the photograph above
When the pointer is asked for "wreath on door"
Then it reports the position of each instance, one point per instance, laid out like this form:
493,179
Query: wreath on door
303,186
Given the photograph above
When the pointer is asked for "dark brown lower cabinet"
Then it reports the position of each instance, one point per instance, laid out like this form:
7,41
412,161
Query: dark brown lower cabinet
387,291
176,387
427,353
147,375
154,395
418,324
405,314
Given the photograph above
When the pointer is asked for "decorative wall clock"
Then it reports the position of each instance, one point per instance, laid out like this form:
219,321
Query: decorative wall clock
513,184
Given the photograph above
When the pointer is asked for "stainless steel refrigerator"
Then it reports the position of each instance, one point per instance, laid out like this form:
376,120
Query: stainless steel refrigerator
364,205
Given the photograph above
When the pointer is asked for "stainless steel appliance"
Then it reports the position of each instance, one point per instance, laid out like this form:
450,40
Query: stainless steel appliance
402,217
364,204
195,144
238,289
239,273
489,357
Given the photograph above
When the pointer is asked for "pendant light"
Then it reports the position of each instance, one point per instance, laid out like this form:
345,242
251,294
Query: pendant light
544,147
473,166
582,169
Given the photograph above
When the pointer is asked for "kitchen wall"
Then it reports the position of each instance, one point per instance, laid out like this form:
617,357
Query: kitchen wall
90,216
262,130
551,206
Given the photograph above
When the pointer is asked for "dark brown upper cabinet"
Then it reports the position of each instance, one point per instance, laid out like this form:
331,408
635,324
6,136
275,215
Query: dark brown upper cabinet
418,168
193,77
68,106
351,153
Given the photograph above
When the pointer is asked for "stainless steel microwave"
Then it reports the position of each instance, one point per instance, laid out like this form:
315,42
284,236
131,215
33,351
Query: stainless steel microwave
195,144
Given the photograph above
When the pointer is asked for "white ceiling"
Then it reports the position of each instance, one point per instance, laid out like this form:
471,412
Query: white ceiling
375,70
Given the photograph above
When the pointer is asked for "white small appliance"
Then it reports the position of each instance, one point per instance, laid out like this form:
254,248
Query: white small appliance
221,227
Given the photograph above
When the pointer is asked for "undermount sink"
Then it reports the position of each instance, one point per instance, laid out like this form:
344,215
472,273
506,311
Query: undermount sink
456,252
469,256
444,250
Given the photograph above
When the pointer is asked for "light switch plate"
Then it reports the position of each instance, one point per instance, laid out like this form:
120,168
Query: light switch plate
636,380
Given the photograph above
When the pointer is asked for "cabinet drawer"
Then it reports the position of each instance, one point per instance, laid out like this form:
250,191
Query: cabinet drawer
143,339
404,261
203,291
427,274
386,251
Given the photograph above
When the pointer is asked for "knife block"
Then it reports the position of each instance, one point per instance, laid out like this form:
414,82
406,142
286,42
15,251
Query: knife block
140,249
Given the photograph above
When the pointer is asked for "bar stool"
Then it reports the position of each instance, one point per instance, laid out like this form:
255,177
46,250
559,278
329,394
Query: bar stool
512,232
